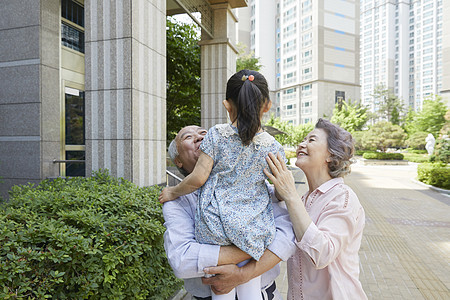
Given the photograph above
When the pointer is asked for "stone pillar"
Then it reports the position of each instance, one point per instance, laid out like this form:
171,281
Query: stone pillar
29,91
218,63
125,89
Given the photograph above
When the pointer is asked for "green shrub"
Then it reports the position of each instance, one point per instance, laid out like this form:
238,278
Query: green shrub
417,140
442,150
361,152
436,174
383,135
383,155
418,158
416,151
83,238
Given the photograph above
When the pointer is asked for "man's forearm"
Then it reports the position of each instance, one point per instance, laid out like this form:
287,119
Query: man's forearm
231,255
228,277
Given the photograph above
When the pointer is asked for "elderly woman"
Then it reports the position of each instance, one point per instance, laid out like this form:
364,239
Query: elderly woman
328,220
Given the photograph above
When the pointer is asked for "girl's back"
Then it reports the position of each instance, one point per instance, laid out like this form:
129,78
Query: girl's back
234,204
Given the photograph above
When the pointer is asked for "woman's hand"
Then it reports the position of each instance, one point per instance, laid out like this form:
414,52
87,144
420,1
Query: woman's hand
281,177
285,186
166,195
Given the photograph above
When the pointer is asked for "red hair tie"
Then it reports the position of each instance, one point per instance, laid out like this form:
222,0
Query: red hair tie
249,77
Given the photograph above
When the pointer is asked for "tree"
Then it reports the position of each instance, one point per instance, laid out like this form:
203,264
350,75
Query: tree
445,130
357,139
408,121
417,140
431,118
294,134
246,61
389,105
350,116
383,135
183,76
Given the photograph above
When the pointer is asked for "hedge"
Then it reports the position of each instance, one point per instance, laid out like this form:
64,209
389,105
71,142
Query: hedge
416,151
83,238
434,174
361,152
418,158
383,155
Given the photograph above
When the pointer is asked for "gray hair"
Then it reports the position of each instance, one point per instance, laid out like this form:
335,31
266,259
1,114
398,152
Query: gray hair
341,147
173,153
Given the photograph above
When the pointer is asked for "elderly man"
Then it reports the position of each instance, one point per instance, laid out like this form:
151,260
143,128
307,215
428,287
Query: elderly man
191,260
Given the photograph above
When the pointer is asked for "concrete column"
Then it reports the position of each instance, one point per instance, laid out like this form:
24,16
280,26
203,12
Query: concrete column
125,89
218,63
29,91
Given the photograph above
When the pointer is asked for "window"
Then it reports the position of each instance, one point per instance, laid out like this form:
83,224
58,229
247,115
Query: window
290,77
306,90
72,25
307,23
72,12
72,38
307,39
339,97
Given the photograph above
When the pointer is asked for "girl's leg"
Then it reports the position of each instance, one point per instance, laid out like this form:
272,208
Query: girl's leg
250,290
230,296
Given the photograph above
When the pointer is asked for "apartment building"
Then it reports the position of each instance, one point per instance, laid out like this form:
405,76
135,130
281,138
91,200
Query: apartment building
401,48
315,54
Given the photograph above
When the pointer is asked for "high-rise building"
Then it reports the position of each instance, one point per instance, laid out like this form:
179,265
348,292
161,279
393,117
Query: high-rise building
256,31
401,49
315,54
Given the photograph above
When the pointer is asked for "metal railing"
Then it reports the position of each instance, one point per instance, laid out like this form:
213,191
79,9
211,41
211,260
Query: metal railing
63,161
172,179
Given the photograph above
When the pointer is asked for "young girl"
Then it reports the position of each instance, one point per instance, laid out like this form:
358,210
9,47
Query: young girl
234,205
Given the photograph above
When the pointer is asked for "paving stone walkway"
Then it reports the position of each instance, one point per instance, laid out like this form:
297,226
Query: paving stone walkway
405,251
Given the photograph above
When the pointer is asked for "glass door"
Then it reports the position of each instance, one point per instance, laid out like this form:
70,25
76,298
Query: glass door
74,133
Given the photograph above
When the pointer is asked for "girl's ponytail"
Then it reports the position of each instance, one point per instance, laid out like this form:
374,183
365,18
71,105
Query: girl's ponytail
248,90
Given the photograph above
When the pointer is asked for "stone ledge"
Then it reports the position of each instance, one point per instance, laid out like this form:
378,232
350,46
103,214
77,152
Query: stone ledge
383,162
181,294
439,190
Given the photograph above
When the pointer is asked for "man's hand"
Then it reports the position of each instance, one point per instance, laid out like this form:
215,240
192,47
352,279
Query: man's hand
226,278
166,195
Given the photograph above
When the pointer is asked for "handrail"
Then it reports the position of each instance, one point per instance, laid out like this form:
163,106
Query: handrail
170,174
58,161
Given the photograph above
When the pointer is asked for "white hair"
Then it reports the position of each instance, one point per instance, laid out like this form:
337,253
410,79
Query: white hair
173,153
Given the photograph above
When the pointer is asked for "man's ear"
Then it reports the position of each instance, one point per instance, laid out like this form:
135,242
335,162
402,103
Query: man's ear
178,162
267,106
227,105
